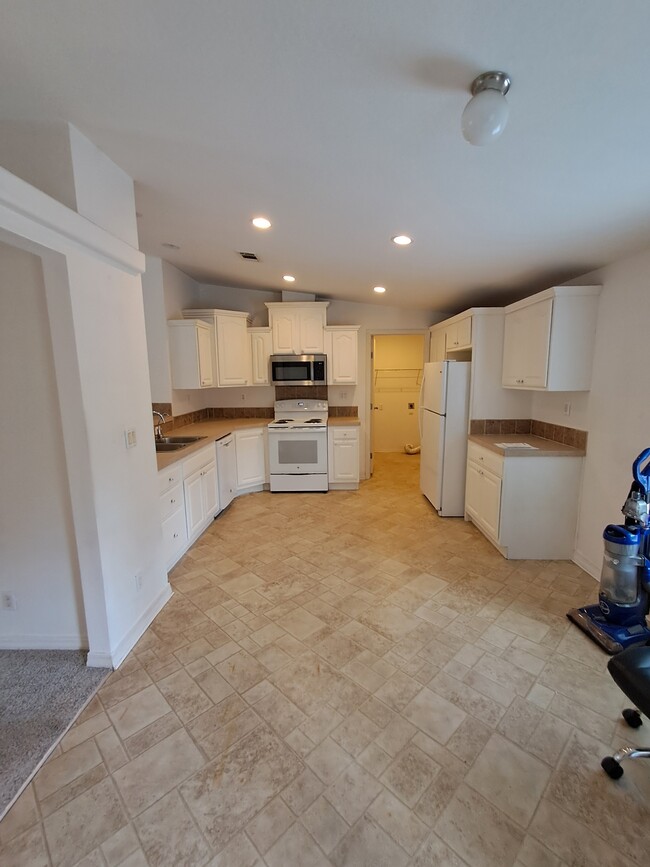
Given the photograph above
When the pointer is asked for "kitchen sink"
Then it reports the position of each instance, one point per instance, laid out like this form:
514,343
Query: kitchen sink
173,444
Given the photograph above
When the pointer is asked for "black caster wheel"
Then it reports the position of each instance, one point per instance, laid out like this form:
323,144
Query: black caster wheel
612,768
632,717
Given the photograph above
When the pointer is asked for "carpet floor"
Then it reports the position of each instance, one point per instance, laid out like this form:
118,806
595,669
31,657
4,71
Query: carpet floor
41,693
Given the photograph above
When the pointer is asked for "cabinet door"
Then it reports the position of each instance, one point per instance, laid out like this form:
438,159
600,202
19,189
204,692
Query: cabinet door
526,345
251,461
473,490
311,331
437,348
233,351
344,358
344,457
490,503
194,508
206,374
210,490
261,345
464,333
285,332
174,534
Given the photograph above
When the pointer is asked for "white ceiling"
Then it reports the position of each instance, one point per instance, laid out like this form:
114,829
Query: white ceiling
340,121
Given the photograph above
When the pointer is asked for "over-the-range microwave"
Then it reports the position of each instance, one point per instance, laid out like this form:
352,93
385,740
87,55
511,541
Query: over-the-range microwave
299,369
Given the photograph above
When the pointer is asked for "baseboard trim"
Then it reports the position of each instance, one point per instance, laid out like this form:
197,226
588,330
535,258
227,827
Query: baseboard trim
44,642
585,564
134,634
99,660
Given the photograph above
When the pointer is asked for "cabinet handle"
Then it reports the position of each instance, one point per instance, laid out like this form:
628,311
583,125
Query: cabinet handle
175,535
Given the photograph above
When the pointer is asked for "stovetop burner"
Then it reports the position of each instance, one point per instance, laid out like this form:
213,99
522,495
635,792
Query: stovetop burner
314,421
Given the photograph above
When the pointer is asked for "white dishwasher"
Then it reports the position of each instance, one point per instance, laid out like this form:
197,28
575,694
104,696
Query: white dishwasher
227,470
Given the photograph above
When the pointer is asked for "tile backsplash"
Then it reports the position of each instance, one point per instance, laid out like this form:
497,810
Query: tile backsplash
557,433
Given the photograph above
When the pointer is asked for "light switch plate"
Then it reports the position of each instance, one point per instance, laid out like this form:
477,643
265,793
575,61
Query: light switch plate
130,438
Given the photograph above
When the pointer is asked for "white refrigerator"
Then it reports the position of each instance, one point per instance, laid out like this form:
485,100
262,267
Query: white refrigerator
444,410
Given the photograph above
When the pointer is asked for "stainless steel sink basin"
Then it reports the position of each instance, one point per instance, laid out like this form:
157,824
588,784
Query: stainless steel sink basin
173,444
180,440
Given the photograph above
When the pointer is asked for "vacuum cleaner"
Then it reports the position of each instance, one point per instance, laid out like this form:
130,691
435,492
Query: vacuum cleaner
618,620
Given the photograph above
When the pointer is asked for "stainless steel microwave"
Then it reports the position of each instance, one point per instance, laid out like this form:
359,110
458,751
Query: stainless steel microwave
299,369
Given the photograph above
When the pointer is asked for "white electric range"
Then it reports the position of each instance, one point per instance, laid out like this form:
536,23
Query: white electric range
298,446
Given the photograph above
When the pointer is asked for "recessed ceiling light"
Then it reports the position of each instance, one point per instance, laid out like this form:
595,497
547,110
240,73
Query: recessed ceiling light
170,246
379,290
261,223
402,240
289,278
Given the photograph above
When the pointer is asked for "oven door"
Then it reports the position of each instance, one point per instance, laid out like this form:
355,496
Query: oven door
297,452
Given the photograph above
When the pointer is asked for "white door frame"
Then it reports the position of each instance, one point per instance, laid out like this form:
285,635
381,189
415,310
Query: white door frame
371,333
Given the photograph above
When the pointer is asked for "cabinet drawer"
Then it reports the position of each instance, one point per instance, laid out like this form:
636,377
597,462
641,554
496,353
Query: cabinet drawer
171,501
169,478
199,460
344,433
485,458
174,536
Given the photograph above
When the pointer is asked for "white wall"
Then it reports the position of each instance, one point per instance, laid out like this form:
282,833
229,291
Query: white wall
39,563
103,192
398,360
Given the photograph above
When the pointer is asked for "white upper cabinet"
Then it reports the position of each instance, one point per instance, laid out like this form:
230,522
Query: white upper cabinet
458,335
231,345
342,350
261,348
297,329
549,339
437,350
191,353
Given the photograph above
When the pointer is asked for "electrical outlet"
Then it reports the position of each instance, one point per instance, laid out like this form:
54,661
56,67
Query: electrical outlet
138,581
567,408
243,396
344,395
8,601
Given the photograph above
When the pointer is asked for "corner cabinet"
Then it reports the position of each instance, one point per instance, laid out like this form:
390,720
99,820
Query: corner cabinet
526,506
191,355
342,350
343,457
297,328
230,345
549,339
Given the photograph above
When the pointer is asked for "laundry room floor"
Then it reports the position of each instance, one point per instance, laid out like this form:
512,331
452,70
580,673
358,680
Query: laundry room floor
347,679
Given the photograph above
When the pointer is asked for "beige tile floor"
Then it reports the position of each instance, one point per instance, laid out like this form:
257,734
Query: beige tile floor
349,680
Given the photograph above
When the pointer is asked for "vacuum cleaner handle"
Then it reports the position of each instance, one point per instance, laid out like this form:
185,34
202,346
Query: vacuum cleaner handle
642,474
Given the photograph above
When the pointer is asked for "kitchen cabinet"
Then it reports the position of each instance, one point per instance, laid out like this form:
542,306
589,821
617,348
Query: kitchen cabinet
250,451
437,344
231,350
200,490
526,506
191,353
297,329
343,457
342,350
226,470
172,514
458,335
549,339
261,348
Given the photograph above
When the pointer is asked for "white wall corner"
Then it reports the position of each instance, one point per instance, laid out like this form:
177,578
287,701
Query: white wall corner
135,633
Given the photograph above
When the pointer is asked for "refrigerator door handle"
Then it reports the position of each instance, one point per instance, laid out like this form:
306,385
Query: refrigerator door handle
420,410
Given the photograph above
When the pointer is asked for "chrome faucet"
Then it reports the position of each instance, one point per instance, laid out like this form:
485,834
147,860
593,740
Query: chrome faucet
158,430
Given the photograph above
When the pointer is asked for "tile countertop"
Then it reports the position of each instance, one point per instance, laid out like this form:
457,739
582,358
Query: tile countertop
220,427
543,448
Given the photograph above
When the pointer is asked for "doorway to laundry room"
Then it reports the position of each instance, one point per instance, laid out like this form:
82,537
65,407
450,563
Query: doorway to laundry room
397,363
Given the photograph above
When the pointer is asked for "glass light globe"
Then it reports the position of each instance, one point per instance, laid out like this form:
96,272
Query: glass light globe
485,117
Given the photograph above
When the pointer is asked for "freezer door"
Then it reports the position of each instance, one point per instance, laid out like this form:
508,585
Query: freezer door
432,450
434,387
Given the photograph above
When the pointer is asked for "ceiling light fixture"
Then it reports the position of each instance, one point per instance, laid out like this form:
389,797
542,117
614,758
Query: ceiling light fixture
402,240
289,278
379,290
486,114
261,223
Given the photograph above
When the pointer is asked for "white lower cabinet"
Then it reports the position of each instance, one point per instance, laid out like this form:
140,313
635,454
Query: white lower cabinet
172,514
526,506
226,470
250,450
343,457
201,492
